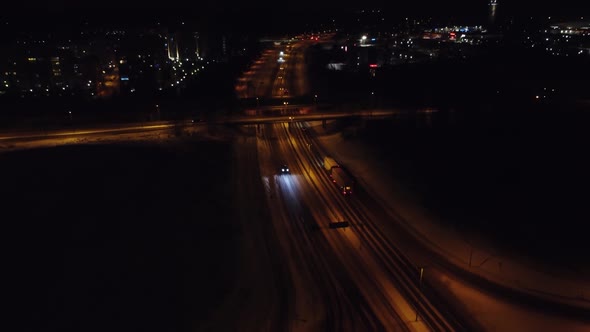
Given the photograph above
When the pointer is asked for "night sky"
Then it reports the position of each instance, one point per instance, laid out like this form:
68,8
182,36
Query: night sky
462,7
286,16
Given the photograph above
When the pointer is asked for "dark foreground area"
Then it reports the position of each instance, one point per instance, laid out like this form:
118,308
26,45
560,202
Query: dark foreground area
519,179
117,237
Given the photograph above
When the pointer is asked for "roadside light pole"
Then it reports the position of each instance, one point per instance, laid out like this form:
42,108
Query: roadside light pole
71,117
421,276
420,286
315,102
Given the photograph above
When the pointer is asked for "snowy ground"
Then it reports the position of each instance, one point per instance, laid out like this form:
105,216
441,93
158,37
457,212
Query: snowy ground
498,315
118,236
102,137
466,250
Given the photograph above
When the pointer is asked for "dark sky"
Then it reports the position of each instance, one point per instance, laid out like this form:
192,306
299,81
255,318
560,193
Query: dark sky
273,14
403,7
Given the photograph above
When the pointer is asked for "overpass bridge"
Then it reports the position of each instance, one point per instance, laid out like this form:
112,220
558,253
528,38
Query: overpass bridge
235,119
276,40
311,116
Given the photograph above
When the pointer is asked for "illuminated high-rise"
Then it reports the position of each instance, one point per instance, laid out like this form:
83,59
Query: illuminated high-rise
172,44
493,9
197,45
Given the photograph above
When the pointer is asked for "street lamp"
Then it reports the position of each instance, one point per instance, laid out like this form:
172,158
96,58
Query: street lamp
421,276
157,112
420,286
372,100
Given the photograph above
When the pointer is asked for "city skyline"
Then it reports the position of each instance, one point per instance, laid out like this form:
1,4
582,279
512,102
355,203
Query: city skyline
296,166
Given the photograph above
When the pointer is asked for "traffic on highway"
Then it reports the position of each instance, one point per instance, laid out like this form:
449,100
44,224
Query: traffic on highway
360,280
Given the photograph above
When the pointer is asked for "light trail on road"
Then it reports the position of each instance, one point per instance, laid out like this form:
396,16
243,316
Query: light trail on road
342,304
392,279
78,132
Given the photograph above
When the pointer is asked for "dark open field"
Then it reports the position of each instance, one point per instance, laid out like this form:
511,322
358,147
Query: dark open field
518,179
117,237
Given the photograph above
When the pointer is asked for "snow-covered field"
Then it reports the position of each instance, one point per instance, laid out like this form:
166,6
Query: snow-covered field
475,254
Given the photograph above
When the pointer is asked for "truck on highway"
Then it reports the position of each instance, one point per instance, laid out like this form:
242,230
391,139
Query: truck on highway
329,164
343,180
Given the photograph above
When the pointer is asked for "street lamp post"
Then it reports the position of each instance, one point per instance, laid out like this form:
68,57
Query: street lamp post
420,286
71,117
421,276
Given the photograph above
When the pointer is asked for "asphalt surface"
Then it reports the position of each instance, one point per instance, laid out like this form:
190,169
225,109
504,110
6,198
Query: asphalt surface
364,282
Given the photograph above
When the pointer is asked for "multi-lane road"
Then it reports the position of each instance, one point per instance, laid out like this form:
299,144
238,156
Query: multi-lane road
364,281
340,279
279,73
355,278
360,277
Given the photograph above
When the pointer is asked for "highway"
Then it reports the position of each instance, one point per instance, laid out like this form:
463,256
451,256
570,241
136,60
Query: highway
97,130
279,73
315,277
350,278
367,281
277,115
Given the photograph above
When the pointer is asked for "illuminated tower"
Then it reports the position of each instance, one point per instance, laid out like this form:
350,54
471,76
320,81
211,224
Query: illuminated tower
197,48
173,47
493,7
224,46
56,77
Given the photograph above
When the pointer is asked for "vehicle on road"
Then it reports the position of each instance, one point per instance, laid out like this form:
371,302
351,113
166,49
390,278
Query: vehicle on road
285,169
330,164
339,224
343,180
